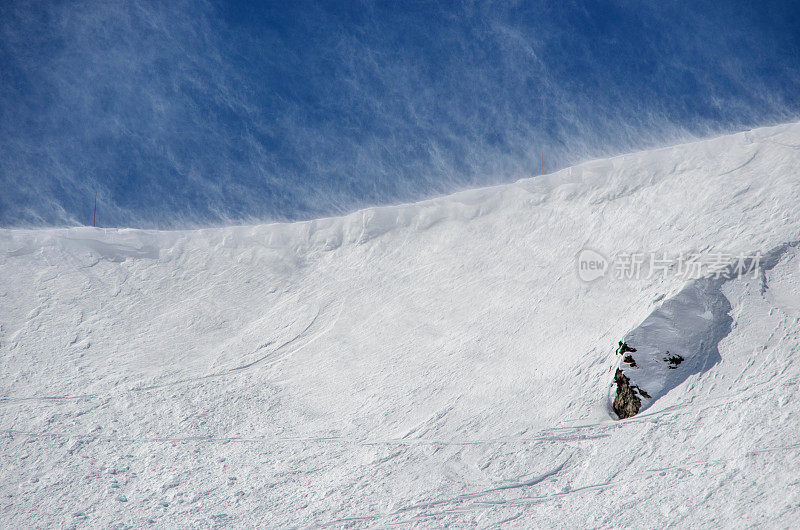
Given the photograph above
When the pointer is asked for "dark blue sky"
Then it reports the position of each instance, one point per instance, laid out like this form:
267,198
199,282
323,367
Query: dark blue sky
193,113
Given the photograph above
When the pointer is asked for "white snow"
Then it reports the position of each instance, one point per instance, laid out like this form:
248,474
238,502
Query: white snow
426,364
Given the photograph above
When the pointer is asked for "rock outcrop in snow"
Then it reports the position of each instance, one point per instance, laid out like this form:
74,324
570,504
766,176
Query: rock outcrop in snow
626,403
680,338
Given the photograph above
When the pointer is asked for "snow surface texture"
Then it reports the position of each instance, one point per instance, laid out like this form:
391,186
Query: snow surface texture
433,363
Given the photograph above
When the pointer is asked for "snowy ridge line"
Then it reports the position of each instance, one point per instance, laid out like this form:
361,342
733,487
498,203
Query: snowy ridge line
689,325
582,180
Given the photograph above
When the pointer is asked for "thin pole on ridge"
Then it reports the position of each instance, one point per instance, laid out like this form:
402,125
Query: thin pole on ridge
94,217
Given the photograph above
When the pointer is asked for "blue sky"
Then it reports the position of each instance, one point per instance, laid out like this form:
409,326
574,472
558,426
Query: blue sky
195,113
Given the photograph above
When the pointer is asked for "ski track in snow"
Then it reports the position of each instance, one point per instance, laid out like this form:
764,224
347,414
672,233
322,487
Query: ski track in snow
418,365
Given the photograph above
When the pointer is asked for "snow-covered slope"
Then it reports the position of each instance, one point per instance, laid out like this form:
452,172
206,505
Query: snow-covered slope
433,363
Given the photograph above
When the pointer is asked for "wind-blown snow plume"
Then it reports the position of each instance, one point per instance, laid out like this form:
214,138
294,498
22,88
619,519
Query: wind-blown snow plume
190,112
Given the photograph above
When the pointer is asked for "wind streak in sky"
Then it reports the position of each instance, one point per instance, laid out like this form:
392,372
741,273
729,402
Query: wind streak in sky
192,113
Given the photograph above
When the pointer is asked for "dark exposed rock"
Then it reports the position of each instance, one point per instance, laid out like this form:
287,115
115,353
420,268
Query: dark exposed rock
673,360
624,348
627,403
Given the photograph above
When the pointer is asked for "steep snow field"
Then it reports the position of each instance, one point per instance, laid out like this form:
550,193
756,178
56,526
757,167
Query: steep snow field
425,364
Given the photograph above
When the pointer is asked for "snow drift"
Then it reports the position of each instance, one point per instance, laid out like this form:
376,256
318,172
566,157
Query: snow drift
431,363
